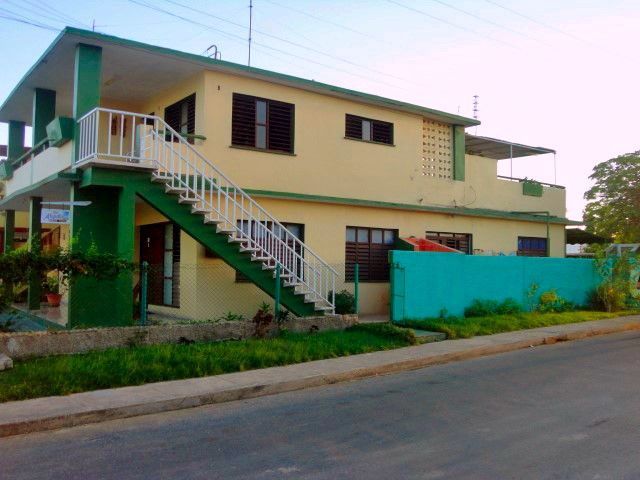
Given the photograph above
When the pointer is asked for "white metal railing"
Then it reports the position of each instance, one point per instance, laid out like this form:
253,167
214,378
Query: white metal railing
147,140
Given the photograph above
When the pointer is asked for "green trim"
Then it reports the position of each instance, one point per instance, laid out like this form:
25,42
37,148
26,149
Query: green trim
257,73
458,153
206,235
34,291
44,111
463,211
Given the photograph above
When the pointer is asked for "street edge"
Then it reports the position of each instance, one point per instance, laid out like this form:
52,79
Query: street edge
232,394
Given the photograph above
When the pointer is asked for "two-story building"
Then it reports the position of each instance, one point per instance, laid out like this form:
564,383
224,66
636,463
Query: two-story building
185,161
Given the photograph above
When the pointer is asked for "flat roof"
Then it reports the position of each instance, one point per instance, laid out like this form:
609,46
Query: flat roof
130,61
500,149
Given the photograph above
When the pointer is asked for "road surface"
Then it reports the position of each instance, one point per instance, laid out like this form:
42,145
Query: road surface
569,410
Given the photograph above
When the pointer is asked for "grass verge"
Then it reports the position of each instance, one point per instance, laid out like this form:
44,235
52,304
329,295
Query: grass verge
456,327
119,367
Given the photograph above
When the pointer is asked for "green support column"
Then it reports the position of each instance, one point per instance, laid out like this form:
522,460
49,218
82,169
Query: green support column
44,110
9,234
108,225
15,146
35,232
87,78
9,230
458,153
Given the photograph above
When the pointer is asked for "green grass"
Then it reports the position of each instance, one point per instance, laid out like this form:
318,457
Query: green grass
456,327
118,367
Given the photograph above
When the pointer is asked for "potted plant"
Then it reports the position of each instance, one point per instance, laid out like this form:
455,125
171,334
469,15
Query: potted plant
52,289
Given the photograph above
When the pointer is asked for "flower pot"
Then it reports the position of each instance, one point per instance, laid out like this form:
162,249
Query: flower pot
53,299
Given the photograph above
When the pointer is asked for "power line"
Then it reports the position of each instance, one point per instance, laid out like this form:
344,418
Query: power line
486,20
551,27
27,22
64,16
451,24
243,40
324,20
31,11
289,42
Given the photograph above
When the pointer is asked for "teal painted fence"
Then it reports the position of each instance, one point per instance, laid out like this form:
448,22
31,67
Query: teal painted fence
424,284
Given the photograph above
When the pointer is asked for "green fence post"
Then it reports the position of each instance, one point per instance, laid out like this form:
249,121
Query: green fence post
356,286
276,309
143,293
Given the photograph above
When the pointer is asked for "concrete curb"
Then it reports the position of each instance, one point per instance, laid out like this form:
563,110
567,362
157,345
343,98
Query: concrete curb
91,407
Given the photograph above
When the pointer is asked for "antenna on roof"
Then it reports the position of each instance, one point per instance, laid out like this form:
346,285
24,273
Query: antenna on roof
250,28
476,110
215,54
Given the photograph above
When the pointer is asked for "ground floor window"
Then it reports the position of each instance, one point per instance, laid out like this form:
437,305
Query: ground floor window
459,241
257,231
160,248
532,246
369,248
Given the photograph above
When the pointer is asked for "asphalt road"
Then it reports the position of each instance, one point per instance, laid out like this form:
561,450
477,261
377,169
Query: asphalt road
569,410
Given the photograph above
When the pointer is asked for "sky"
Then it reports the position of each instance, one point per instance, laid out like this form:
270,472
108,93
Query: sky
561,74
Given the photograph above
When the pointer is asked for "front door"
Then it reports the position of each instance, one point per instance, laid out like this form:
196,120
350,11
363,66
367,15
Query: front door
152,252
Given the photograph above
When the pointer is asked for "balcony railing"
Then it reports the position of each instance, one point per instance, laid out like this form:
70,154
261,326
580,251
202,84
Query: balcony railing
522,180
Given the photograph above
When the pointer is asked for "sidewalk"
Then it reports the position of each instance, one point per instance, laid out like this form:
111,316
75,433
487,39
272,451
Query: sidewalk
90,407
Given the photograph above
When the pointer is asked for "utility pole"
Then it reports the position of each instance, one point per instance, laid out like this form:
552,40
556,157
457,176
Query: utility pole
250,29
93,25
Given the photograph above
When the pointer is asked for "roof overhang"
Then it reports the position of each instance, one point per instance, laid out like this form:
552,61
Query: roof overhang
133,71
500,149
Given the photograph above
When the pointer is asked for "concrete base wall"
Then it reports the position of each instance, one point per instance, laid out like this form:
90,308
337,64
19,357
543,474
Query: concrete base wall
23,345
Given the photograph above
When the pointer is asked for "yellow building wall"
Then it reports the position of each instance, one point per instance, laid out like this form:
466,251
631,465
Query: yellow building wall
326,163
208,288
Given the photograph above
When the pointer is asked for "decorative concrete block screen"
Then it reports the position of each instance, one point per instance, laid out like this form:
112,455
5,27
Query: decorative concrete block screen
424,284
437,149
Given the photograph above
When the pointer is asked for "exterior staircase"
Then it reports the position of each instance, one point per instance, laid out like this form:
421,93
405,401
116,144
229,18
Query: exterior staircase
193,193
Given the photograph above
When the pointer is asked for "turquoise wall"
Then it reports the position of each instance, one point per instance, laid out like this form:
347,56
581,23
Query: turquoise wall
425,283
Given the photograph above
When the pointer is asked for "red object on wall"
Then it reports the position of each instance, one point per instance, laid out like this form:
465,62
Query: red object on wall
424,245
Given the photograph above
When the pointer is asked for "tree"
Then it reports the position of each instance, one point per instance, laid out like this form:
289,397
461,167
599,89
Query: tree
613,207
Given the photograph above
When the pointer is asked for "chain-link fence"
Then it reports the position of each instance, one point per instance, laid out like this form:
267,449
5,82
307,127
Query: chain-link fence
208,292
176,293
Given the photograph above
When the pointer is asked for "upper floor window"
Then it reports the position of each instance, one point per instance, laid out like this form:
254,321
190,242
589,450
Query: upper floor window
459,241
262,123
532,246
369,130
181,116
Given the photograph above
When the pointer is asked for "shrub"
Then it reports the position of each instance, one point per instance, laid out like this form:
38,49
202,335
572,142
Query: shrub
616,290
263,320
345,302
487,308
551,302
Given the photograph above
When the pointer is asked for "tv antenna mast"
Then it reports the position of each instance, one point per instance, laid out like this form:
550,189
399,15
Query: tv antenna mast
250,29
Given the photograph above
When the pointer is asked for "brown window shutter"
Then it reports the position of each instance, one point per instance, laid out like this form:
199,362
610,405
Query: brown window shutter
382,132
280,127
243,117
353,127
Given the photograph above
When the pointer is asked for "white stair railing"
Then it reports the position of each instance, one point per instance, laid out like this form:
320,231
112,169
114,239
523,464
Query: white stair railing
148,141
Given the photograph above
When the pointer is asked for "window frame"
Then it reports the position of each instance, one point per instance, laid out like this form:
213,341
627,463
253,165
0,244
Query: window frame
533,252
266,124
367,275
187,102
372,122
435,236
